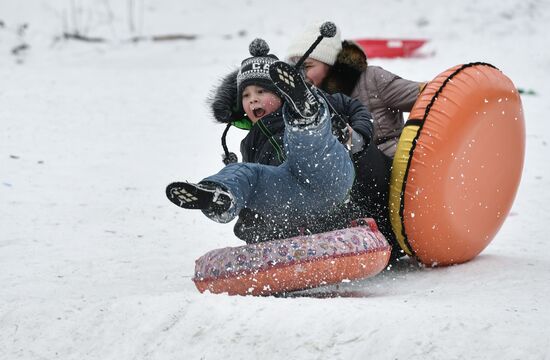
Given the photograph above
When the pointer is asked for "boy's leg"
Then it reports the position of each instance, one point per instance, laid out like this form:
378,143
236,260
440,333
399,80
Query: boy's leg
313,153
298,189
315,157
276,192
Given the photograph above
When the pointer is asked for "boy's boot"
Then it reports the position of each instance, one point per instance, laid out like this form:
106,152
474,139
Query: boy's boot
302,100
210,197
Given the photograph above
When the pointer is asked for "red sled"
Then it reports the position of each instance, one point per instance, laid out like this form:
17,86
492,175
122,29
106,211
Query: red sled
390,48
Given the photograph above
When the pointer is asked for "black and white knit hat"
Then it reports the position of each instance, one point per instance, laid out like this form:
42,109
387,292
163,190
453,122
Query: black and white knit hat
255,70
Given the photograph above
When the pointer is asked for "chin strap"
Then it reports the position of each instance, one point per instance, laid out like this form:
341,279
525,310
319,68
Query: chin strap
228,157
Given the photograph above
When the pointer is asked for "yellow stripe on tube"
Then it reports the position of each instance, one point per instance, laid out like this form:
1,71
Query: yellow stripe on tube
397,182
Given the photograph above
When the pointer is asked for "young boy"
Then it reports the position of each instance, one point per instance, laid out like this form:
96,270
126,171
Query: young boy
318,172
264,144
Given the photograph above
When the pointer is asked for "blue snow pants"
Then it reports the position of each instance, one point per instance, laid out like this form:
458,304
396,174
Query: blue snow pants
316,177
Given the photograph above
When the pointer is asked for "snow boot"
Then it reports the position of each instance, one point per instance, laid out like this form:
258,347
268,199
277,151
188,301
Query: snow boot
209,197
302,100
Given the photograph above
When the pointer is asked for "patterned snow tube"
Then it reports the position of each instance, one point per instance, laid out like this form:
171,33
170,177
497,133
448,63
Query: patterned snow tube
295,263
458,165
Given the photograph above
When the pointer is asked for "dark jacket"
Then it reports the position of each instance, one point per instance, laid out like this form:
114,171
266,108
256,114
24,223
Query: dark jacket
264,144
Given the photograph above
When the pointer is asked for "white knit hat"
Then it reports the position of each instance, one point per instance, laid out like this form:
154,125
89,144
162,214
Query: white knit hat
326,52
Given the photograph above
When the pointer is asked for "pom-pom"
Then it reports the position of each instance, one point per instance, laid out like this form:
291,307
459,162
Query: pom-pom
230,158
328,29
258,47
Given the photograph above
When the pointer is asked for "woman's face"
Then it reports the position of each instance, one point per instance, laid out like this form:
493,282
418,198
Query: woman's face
259,102
315,71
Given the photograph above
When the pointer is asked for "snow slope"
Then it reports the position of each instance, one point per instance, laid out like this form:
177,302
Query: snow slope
96,264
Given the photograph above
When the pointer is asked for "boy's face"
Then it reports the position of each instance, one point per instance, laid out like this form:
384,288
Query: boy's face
259,102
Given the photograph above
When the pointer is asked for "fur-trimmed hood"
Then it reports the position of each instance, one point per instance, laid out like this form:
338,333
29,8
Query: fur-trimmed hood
345,72
223,100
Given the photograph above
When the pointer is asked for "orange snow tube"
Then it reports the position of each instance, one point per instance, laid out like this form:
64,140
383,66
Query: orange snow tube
458,165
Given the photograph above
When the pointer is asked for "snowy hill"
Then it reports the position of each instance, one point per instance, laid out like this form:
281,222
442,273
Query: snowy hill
95,263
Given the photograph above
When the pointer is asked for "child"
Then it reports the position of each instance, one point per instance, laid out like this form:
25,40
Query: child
264,144
338,66
318,172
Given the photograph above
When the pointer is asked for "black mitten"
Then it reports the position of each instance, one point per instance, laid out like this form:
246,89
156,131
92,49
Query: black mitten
339,127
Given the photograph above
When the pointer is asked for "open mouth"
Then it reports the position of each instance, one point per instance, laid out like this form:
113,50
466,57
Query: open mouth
259,112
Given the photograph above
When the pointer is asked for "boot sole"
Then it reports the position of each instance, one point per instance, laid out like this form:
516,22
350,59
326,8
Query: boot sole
188,196
291,84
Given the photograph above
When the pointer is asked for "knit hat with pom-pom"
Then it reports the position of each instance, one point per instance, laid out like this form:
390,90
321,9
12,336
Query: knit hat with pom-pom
327,50
255,70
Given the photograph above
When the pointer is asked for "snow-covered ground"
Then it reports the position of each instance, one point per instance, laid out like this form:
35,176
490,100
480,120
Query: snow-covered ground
95,263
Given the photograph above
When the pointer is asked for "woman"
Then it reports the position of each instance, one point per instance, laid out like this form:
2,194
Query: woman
338,66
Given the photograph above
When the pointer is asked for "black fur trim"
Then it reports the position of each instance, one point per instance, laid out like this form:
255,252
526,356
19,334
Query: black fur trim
224,102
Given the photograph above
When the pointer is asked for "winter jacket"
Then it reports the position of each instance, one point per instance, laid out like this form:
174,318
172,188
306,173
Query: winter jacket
386,95
264,142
